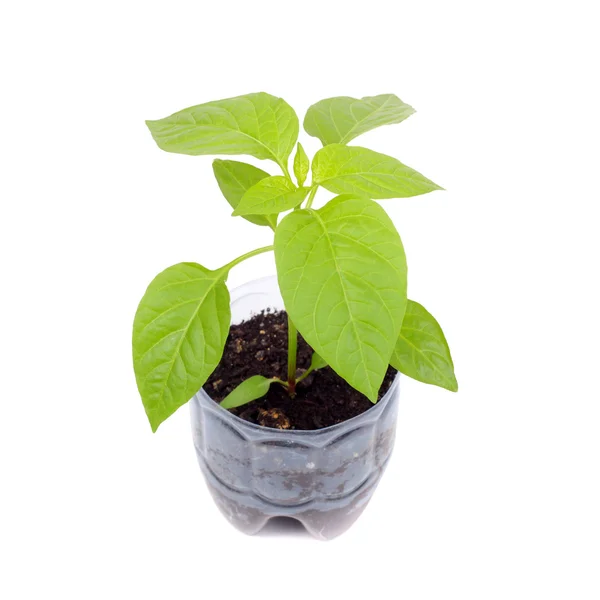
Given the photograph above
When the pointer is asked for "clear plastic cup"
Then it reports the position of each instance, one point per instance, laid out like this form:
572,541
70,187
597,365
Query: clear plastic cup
323,478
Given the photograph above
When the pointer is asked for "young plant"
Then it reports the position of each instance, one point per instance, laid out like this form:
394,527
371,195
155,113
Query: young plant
341,268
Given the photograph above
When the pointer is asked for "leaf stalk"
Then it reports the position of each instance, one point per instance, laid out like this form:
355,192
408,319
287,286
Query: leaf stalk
311,196
243,257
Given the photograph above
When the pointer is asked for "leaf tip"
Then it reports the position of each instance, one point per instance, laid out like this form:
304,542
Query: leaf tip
450,383
154,423
372,395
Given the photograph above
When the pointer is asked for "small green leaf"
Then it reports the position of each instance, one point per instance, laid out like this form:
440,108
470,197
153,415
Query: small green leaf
355,170
421,351
316,362
339,120
270,196
259,124
235,179
301,165
253,388
342,275
179,332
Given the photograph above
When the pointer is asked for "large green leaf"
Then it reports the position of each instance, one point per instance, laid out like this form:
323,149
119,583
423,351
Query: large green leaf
259,124
235,179
342,275
179,332
270,196
339,120
421,351
251,389
354,170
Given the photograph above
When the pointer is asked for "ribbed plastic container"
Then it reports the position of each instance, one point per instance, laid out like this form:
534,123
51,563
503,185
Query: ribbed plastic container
322,478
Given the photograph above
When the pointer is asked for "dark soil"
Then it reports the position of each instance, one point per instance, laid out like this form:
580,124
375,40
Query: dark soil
258,346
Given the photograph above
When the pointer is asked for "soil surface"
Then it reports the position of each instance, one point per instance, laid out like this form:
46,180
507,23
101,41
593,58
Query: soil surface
258,346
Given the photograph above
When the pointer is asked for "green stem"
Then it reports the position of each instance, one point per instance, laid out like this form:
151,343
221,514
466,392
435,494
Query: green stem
311,196
292,350
285,170
305,374
239,259
280,381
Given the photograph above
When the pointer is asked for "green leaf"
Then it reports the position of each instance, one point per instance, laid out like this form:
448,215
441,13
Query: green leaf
253,388
339,120
259,124
316,362
421,351
235,179
301,165
179,332
342,275
355,170
270,196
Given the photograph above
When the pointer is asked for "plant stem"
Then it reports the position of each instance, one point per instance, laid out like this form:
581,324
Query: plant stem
311,196
305,374
285,170
280,381
239,259
292,350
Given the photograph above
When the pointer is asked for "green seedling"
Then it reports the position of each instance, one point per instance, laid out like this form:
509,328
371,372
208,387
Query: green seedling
341,267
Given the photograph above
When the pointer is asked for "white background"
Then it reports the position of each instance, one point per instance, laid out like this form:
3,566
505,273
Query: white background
491,493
